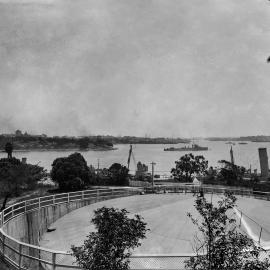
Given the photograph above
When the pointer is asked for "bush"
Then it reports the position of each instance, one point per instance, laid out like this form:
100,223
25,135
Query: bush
16,177
110,246
119,175
223,245
71,173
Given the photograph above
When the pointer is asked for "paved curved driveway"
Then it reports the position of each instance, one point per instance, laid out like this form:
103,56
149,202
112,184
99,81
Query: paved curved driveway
171,231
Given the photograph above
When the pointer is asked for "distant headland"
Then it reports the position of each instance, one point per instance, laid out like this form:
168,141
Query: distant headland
26,142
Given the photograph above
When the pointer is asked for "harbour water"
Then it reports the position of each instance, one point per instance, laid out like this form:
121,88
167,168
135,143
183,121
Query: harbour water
244,154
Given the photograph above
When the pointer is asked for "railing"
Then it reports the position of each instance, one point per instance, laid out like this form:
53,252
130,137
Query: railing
26,256
174,188
256,229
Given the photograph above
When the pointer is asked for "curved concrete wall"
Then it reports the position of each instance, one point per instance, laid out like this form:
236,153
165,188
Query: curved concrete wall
30,227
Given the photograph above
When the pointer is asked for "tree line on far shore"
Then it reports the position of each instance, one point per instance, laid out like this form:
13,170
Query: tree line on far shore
26,141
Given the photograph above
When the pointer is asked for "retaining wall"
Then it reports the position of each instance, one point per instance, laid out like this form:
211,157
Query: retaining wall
29,226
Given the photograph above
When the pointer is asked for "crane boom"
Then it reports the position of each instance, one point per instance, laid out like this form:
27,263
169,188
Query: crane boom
129,155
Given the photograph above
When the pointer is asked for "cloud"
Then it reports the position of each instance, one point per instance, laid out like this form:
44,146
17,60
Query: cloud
32,2
134,67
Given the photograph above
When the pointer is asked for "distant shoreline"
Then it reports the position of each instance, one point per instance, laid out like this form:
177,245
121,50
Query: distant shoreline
98,148
60,149
259,138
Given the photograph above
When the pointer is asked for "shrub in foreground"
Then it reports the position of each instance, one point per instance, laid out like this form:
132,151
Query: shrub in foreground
223,246
110,246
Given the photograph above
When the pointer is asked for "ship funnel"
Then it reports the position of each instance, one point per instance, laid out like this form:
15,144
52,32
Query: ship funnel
264,162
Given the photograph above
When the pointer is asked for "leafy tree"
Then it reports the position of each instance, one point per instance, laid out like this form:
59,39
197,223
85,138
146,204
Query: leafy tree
119,174
223,245
70,173
230,173
110,246
188,166
16,177
9,149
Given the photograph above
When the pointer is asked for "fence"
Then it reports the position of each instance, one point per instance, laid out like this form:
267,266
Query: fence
245,223
27,256
134,183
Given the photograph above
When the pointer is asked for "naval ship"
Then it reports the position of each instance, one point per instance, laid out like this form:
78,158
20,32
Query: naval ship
194,147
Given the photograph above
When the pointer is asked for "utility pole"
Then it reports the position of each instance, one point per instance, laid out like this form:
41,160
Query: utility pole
232,157
153,164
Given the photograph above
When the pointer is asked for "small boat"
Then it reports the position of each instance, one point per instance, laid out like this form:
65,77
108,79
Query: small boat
194,147
242,143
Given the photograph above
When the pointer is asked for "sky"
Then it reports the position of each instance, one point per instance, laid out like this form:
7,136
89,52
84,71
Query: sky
181,68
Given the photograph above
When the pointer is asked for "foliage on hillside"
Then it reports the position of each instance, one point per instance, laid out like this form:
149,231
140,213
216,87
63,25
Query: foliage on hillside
26,141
